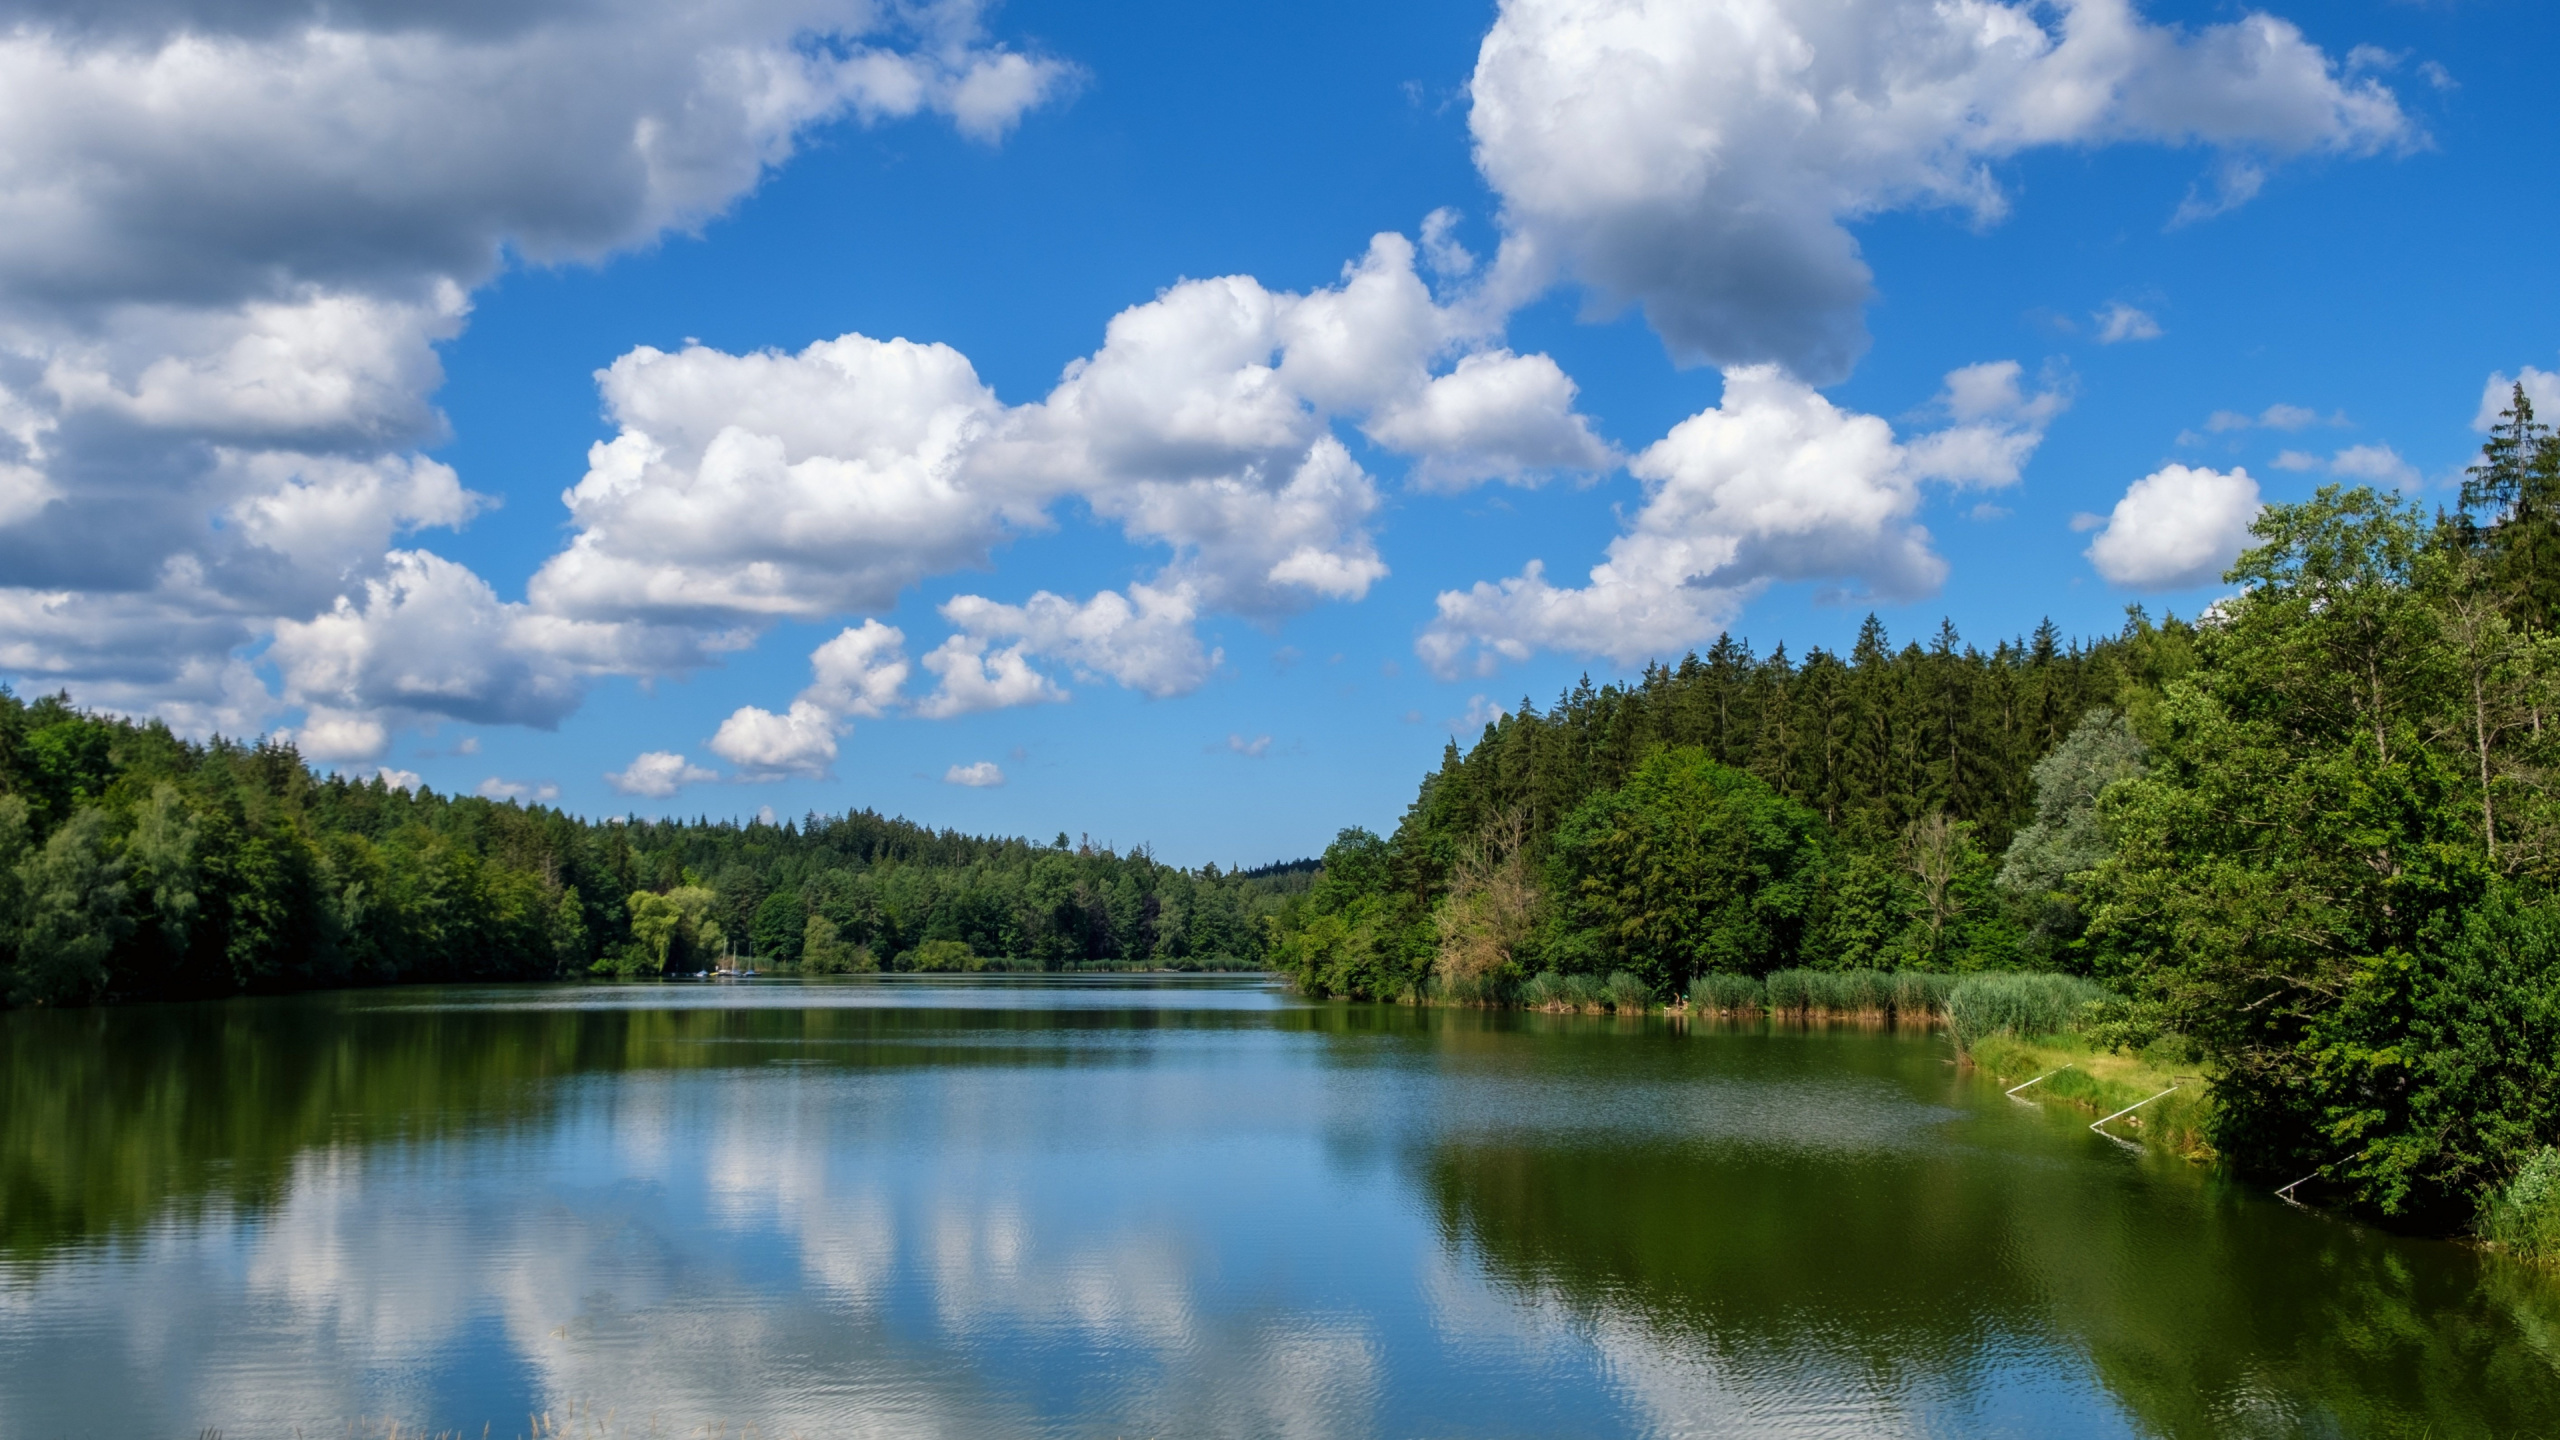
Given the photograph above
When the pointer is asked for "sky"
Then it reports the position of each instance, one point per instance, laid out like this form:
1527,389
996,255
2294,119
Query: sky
1172,424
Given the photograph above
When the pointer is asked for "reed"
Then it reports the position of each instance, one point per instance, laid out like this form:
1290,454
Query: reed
1628,994
1728,994
2018,1004
1921,992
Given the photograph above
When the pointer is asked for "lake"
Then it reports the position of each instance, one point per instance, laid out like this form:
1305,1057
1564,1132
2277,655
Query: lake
1152,1206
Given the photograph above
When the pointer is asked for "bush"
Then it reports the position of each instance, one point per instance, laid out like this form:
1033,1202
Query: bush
1717,990
1584,993
2018,1004
1544,989
1482,989
2523,1216
1627,993
941,955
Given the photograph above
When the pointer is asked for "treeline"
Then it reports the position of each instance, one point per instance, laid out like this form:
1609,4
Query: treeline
2311,837
1739,813
135,865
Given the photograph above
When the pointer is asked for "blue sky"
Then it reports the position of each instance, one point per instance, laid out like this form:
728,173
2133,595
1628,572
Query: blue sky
271,349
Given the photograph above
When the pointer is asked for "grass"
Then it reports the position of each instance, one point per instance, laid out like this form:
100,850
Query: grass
2522,1217
2103,1082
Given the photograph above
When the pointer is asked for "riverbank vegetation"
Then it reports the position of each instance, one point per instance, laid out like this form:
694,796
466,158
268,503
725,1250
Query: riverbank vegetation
2310,839
135,865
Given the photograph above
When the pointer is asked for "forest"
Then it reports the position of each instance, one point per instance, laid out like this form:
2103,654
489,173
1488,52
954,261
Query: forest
135,865
2308,840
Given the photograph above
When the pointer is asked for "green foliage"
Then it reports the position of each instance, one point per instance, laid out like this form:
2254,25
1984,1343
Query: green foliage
1910,993
2046,861
1628,993
1352,936
135,865
2339,792
2517,482
2026,1005
824,952
1668,820
1724,992
2522,1217
941,955
1689,866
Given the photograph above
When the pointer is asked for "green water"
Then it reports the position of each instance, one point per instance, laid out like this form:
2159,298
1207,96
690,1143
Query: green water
1130,1206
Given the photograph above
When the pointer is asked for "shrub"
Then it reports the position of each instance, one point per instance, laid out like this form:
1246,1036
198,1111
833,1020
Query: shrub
1627,993
1481,989
1544,989
2523,1216
1584,993
941,955
2018,1004
1718,990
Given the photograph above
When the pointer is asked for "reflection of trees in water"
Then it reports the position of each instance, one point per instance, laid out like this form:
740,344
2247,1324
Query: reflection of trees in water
112,1119
1896,1275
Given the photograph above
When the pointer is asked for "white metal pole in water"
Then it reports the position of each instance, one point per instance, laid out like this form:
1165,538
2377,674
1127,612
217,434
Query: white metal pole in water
2012,1091
2129,1109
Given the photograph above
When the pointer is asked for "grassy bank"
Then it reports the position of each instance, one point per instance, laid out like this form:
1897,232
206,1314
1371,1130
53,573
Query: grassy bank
2103,1082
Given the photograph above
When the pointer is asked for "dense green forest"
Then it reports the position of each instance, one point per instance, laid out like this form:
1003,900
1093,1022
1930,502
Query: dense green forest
2310,837
135,865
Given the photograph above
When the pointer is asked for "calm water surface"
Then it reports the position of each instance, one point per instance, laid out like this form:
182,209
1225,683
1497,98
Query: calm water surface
1126,1207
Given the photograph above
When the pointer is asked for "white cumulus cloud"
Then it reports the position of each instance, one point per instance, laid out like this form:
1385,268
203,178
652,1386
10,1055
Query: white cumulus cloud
1143,640
1774,484
1703,158
2175,528
658,774
859,672
973,678
232,236
980,775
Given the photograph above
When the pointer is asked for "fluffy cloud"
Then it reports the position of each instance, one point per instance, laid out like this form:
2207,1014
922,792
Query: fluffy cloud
1776,483
658,774
974,679
981,775
231,237
499,788
2175,528
429,638
859,672
745,487
755,486
2541,387
1497,415
1143,640
1702,158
